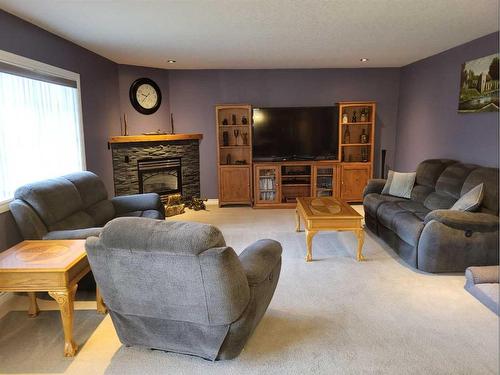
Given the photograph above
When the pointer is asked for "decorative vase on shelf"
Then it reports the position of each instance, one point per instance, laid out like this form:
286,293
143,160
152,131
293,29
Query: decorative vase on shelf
244,120
228,159
364,154
345,118
224,122
233,119
347,135
354,119
225,138
363,138
236,136
244,136
362,117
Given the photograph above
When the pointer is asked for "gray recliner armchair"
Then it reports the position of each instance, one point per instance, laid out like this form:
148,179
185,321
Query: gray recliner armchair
176,286
75,206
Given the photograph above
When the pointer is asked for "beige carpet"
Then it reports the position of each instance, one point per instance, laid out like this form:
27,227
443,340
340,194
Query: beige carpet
331,316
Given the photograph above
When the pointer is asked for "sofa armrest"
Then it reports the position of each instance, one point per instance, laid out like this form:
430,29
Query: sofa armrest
467,221
483,275
137,202
259,259
375,185
76,234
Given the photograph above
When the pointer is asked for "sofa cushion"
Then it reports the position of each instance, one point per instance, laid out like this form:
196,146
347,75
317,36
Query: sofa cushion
72,234
439,201
78,220
389,213
408,227
372,202
53,200
89,186
152,214
471,200
420,193
448,186
429,171
102,212
488,176
452,179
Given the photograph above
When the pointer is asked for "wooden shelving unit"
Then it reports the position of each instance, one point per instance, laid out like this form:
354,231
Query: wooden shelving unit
356,147
234,153
278,184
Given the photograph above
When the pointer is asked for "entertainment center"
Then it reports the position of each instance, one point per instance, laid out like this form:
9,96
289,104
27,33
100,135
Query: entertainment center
267,157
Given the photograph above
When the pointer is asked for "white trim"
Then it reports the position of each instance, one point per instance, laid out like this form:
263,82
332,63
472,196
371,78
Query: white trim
212,201
38,66
4,206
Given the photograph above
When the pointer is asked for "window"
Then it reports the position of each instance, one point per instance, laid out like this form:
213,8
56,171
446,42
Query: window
41,133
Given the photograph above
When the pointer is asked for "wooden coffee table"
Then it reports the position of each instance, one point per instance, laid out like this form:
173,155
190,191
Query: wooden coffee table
326,213
53,266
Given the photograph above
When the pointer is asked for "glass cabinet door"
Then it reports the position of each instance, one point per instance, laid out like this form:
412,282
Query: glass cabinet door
324,181
267,184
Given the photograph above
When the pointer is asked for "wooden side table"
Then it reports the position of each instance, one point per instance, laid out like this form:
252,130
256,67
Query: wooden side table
53,266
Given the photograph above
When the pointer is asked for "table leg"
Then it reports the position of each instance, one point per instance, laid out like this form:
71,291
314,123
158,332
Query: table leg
297,221
65,300
361,239
101,306
33,309
309,237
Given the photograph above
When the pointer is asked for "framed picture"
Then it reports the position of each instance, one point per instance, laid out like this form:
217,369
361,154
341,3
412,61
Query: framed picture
479,85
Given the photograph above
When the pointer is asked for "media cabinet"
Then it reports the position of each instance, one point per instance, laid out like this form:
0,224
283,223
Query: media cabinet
278,184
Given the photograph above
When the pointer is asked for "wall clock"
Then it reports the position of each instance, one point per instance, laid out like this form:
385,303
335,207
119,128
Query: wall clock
145,96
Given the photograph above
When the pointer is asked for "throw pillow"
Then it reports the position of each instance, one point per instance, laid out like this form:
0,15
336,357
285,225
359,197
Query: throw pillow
399,184
471,200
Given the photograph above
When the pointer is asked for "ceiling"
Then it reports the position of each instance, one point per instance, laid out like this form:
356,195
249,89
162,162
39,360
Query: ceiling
216,34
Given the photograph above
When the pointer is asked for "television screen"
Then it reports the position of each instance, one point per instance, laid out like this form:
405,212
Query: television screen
295,133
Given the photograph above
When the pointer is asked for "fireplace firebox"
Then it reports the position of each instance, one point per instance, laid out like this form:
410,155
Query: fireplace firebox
160,175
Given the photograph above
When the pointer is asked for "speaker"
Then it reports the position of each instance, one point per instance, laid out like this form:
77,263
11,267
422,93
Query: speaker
382,165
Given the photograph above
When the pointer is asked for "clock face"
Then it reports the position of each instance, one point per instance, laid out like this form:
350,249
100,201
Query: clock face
145,96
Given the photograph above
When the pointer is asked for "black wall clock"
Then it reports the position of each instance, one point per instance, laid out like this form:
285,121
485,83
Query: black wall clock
145,96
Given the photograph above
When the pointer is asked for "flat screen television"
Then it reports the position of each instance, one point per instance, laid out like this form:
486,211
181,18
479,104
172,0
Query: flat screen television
295,133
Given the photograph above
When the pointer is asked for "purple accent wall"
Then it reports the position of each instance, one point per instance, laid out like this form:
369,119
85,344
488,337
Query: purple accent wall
429,125
99,89
137,122
194,93
426,97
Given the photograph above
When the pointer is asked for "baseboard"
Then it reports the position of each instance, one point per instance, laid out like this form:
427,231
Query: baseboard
212,201
4,297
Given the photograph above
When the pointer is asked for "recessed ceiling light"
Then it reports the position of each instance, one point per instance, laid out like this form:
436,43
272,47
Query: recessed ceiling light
363,59
171,61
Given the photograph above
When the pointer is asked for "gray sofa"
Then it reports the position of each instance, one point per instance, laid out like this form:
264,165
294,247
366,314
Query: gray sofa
424,232
75,206
176,286
483,283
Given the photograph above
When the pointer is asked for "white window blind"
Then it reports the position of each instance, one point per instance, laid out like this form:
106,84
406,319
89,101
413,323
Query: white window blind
40,131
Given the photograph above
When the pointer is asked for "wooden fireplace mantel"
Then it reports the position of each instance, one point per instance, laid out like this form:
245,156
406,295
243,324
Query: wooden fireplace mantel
154,138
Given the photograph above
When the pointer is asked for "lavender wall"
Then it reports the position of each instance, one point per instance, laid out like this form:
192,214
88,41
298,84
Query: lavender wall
194,93
429,125
99,88
137,122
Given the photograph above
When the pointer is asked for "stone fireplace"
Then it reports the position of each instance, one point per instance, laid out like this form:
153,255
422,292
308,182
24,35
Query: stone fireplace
163,164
